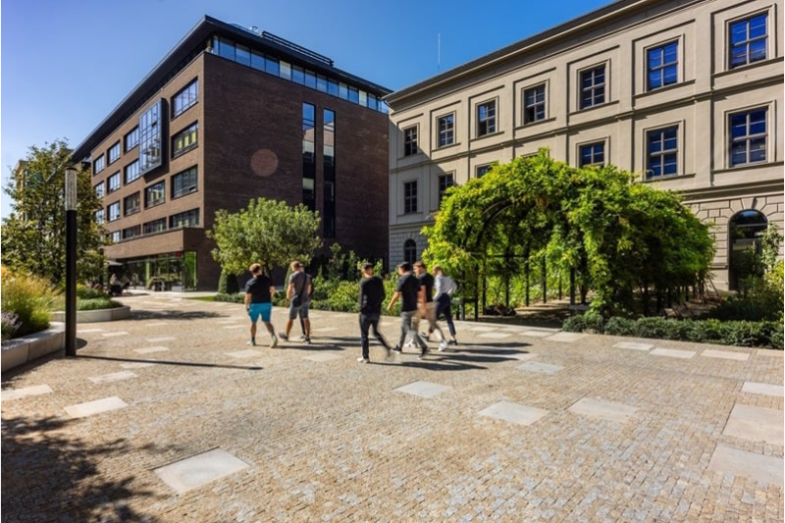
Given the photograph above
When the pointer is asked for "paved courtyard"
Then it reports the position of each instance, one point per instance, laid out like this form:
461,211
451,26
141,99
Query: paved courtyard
169,416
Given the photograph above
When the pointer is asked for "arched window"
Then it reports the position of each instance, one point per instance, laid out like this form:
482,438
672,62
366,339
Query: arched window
744,232
410,251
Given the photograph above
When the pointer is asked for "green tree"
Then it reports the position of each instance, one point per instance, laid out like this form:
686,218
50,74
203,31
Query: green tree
268,232
33,235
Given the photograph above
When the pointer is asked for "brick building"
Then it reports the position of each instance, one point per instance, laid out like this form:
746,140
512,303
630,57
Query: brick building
231,114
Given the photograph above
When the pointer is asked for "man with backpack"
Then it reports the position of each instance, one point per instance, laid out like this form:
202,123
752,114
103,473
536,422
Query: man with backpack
298,292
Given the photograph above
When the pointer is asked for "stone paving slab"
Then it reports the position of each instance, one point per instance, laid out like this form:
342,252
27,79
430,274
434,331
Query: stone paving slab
250,353
567,337
537,334
197,471
423,389
633,345
115,376
726,355
159,339
765,469
325,356
766,389
137,365
151,350
602,409
24,392
545,368
90,408
514,413
495,335
673,353
756,424
114,334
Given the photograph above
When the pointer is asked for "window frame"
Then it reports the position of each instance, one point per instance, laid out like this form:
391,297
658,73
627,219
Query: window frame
110,161
484,168
188,130
109,213
134,132
132,210
192,188
410,204
524,117
605,84
191,99
96,169
729,46
480,121
109,179
766,135
592,143
180,214
440,190
138,172
148,204
408,142
440,131
663,152
663,66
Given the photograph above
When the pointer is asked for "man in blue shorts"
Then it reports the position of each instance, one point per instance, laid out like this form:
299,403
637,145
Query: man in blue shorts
299,293
258,301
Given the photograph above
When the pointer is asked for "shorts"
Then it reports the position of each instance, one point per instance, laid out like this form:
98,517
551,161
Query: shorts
302,310
265,309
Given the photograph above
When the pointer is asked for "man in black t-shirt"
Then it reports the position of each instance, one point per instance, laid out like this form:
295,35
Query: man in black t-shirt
427,307
258,301
407,289
371,298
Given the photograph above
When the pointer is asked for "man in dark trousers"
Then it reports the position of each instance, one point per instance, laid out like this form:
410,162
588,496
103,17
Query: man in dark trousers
258,302
371,298
407,290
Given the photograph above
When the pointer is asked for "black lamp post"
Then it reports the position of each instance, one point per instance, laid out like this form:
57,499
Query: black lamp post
70,261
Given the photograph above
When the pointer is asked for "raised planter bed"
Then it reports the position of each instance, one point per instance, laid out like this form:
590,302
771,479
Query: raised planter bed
19,351
96,316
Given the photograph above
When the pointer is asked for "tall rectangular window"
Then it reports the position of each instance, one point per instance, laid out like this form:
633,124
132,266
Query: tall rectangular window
748,40
99,165
114,153
132,172
445,182
328,153
132,139
446,127
410,141
534,104
309,156
99,190
150,155
662,151
185,140
99,217
186,98
662,65
154,226
154,195
184,219
592,154
131,204
113,210
410,197
114,236
748,137
486,118
593,87
184,183
113,182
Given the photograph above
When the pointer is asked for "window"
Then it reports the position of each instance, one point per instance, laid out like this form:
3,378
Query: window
114,236
271,66
113,211
185,140
132,232
354,95
748,40
593,87
154,226
343,91
131,204
154,195
310,79
99,217
410,251
592,154
321,84
285,70
445,182
662,66
309,156
482,170
298,75
184,183
132,172
257,61
99,165
410,141
748,137
328,156
332,87
113,182
184,219
534,104
150,138
242,55
662,149
114,153
446,126
99,190
410,197
188,96
486,118
132,139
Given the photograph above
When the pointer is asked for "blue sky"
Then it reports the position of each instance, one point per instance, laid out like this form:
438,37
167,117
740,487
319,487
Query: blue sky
67,63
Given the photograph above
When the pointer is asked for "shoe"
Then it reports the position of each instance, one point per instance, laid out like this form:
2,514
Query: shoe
302,337
273,341
426,337
252,343
443,345
424,352
363,360
307,341
389,354
397,350
454,342
283,336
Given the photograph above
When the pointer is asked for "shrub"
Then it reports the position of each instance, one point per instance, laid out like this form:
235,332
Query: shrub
574,324
619,326
30,298
84,292
651,328
232,298
593,321
227,283
777,341
92,304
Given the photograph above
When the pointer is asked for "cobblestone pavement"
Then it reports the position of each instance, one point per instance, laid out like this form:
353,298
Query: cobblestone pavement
514,424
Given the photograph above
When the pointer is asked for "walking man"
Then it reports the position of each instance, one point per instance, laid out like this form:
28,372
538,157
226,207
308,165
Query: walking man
371,298
445,287
258,302
427,307
298,292
407,290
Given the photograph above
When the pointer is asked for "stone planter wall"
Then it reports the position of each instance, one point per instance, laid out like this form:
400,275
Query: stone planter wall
19,351
96,316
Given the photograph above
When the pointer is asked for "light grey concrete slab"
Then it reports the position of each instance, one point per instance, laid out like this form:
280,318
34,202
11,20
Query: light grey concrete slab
763,388
324,356
756,424
567,337
199,470
725,355
514,413
522,356
137,365
15,394
673,353
156,324
234,326
633,346
601,409
483,328
82,410
770,353
537,334
423,389
250,353
495,335
114,334
765,469
325,329
115,376
150,350
161,338
87,331
545,368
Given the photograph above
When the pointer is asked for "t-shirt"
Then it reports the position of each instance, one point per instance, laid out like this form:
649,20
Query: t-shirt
300,280
426,280
371,295
408,286
444,285
259,289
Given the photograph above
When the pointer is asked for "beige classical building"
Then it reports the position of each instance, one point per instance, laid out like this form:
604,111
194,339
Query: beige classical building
686,94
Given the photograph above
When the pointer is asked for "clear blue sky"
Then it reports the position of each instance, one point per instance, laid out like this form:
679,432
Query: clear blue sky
67,63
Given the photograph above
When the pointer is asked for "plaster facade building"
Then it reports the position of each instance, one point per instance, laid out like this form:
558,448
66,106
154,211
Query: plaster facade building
229,115
688,95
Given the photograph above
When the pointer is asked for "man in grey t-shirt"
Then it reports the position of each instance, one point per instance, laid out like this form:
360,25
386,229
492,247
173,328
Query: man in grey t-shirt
298,292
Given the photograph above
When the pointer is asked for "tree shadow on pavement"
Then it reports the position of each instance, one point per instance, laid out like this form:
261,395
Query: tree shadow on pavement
49,476
172,362
144,315
430,364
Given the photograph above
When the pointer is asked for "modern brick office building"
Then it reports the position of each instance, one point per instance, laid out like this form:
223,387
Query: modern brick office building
687,94
231,114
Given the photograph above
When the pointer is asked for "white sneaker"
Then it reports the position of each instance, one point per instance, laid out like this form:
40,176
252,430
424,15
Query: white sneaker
443,345
363,360
273,341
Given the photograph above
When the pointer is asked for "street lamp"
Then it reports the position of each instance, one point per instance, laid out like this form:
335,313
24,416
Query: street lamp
70,261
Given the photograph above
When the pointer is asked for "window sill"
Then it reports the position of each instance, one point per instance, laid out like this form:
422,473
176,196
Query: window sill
448,146
156,204
528,125
131,149
133,211
593,108
178,115
406,157
668,177
193,191
762,63
756,165
489,135
652,92
177,154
